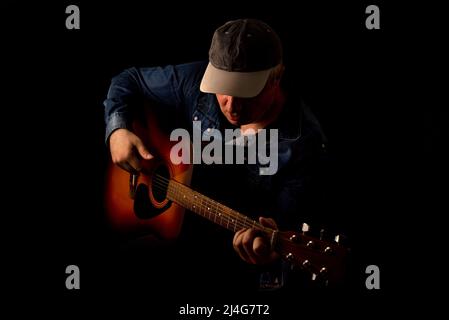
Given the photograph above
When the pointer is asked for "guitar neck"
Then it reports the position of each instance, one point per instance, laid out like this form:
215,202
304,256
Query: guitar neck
211,209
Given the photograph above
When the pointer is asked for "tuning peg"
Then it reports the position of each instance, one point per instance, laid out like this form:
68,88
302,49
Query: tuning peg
320,277
323,271
305,228
340,239
328,250
294,238
290,257
306,264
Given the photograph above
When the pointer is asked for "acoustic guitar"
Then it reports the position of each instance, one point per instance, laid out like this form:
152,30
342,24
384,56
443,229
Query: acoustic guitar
154,200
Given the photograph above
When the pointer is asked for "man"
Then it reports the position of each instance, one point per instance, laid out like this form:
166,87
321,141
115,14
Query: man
240,87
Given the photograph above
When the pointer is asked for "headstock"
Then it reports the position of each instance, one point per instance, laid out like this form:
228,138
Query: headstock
324,259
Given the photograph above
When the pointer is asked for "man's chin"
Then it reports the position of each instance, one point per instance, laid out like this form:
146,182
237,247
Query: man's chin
234,122
238,121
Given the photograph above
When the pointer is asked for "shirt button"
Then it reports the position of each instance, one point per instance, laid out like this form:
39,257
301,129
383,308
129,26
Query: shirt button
195,118
209,129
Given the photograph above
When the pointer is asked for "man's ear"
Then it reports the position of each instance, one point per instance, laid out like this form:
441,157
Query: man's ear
279,73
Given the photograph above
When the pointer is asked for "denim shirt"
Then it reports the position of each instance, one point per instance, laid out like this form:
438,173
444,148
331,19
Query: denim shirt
301,142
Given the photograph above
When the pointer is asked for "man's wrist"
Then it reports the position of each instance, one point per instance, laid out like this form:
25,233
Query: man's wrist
116,121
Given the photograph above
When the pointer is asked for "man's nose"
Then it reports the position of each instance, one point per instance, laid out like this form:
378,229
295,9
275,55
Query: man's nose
234,104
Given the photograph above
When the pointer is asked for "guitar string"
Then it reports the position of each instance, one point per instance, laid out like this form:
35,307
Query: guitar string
223,213
226,214
223,216
176,186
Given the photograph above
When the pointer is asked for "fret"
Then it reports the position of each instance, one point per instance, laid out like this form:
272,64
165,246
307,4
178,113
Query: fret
201,206
172,191
235,224
236,219
205,206
218,211
209,209
216,205
214,210
194,197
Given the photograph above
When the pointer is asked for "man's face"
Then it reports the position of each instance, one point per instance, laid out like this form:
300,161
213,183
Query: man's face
242,111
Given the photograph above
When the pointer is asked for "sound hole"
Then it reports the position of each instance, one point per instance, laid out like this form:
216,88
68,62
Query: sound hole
159,183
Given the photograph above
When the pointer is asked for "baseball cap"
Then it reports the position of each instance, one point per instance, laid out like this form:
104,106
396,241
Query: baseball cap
242,55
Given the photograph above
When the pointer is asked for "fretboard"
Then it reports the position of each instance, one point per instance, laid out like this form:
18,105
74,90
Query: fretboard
210,209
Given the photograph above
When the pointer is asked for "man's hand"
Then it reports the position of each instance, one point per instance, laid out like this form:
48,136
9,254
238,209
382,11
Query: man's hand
252,247
123,145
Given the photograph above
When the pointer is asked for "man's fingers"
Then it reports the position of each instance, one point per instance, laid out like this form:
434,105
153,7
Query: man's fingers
260,247
143,152
268,222
238,245
247,243
252,247
263,251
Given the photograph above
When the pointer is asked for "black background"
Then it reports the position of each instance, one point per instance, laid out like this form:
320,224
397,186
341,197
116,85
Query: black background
350,76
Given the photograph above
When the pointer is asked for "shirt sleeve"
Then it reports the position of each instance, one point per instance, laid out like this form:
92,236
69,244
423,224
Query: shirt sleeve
169,86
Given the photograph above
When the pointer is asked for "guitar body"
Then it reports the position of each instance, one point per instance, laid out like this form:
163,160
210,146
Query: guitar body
148,211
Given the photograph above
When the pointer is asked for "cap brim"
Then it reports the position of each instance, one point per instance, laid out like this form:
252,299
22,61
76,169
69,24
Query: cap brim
236,84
